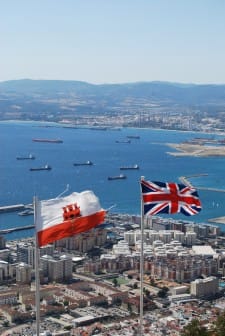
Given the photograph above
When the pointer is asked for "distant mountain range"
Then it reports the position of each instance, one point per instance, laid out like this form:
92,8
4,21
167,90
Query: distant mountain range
60,99
172,92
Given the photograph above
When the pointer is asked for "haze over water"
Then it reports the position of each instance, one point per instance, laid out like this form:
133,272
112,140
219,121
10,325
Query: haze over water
19,185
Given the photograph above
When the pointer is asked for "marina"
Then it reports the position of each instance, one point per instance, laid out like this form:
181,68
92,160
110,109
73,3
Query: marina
26,212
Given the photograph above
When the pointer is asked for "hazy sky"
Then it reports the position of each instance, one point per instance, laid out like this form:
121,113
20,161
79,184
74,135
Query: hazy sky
113,41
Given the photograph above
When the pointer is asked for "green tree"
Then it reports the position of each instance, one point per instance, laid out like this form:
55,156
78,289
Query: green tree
194,328
135,285
162,293
115,282
220,325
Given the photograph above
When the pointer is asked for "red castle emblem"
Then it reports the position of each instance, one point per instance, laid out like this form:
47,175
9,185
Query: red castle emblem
71,211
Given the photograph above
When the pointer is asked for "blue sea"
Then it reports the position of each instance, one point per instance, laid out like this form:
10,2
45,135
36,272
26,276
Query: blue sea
19,185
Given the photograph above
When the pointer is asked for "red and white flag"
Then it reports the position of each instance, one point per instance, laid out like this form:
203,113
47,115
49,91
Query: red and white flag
66,216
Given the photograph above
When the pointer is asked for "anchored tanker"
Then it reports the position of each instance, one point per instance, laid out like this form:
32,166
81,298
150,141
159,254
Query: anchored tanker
46,167
129,167
29,157
87,163
118,177
48,140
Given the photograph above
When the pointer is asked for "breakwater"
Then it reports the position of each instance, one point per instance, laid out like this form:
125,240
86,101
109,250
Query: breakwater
11,208
20,228
184,180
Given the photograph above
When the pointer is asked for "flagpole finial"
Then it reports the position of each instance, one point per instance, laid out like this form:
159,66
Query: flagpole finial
142,178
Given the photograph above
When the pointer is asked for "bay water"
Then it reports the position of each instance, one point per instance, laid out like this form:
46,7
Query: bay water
108,150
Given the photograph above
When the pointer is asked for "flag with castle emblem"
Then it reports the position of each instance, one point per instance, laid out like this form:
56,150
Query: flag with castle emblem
66,216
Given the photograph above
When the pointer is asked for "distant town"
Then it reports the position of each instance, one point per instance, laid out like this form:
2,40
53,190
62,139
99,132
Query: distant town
151,104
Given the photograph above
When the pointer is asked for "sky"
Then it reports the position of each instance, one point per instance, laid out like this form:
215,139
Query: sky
113,41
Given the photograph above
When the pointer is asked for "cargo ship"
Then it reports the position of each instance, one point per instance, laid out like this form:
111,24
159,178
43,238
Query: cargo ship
123,141
46,167
48,140
87,163
133,136
29,157
129,167
118,177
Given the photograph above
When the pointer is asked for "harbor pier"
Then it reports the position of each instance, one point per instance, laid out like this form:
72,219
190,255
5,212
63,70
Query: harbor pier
11,208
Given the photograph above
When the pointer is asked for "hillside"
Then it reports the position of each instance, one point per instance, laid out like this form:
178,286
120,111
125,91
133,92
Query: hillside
56,100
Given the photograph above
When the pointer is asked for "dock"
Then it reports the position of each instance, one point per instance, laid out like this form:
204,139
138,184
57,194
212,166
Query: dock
184,180
11,208
19,228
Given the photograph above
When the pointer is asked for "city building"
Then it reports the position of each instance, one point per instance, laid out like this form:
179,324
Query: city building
23,273
207,287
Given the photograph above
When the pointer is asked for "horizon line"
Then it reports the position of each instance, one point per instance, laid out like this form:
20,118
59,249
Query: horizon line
115,83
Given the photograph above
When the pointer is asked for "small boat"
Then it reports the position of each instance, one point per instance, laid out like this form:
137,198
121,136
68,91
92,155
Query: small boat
123,141
133,136
26,212
29,157
48,140
46,167
129,167
118,177
87,163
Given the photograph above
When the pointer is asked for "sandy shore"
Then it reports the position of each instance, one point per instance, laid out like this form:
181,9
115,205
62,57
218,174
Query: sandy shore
197,150
219,220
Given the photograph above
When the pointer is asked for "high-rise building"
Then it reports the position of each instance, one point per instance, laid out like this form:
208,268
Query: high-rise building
205,287
56,269
4,270
2,242
23,273
26,254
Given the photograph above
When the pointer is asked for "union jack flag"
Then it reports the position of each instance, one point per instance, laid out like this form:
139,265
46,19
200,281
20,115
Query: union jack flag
170,198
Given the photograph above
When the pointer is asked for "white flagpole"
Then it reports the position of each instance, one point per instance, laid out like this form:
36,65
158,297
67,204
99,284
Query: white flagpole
37,275
141,263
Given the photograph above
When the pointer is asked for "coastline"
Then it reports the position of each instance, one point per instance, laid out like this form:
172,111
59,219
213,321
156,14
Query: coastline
196,150
218,220
55,123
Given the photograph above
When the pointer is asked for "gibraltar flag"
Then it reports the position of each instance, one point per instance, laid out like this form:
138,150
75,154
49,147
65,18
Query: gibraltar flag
66,216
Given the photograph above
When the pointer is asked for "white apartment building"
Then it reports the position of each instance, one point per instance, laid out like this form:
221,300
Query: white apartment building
122,248
190,238
129,237
4,270
23,273
26,254
56,269
204,287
